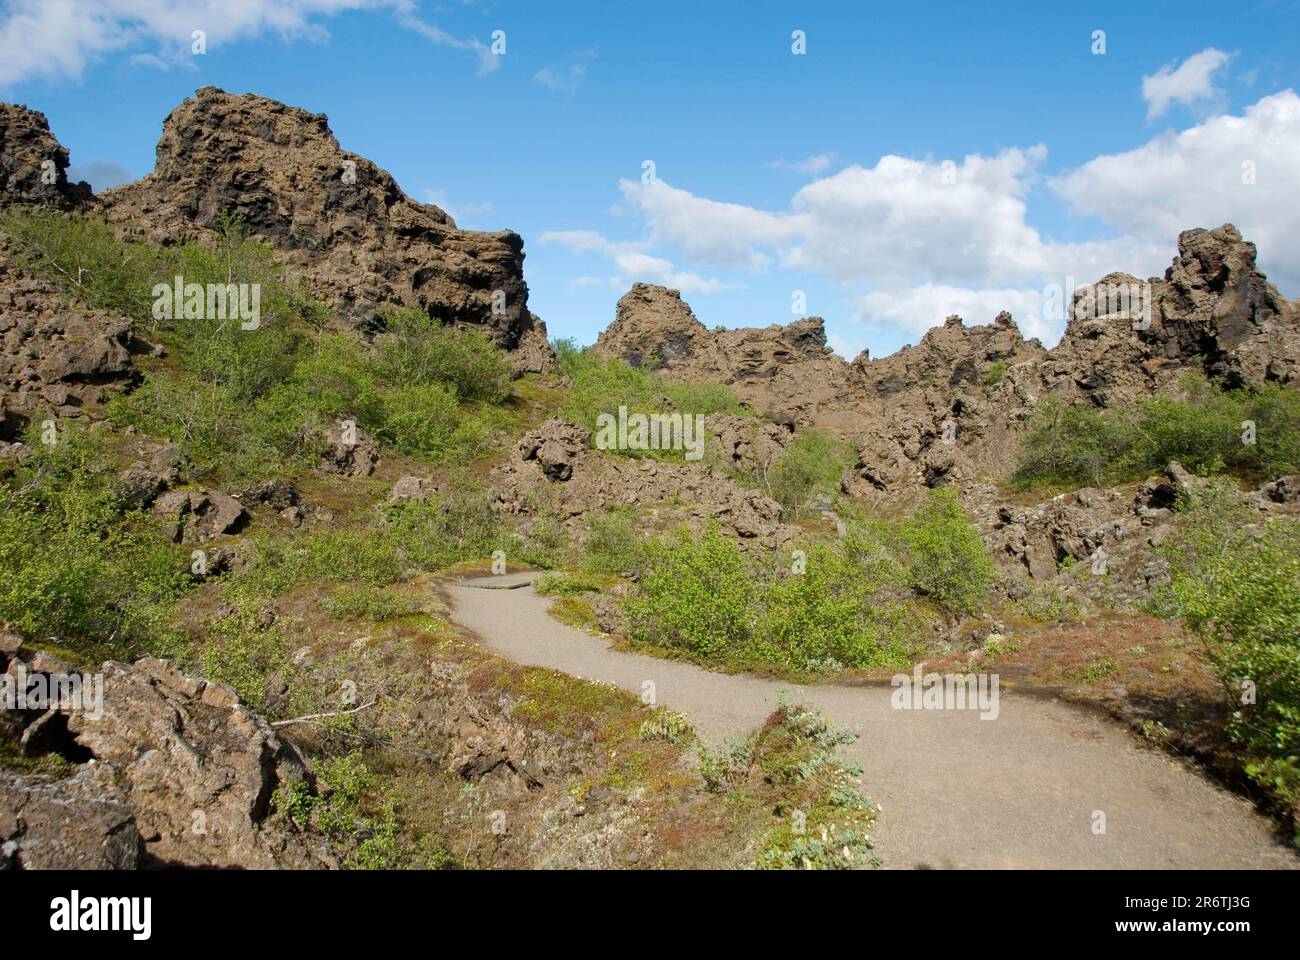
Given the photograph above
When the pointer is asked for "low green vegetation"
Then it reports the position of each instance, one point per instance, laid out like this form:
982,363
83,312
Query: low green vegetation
994,374
242,404
566,584
75,564
854,603
603,385
809,466
1235,582
370,603
612,544
351,811
790,767
1250,432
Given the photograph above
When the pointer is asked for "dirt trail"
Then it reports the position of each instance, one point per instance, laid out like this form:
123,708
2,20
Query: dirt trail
1016,791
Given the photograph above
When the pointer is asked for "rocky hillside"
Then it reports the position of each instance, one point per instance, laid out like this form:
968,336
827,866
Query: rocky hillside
340,221
951,408
233,528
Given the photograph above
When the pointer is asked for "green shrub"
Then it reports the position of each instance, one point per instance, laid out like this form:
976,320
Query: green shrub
565,585
668,726
698,596
701,595
994,374
945,557
1203,427
811,465
74,566
415,349
612,545
369,603
828,615
602,385
1238,588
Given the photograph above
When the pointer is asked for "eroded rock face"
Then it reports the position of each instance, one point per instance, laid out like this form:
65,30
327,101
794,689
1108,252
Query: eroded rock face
946,410
48,824
171,769
1213,308
197,516
951,409
785,372
343,224
33,165
553,466
343,448
55,356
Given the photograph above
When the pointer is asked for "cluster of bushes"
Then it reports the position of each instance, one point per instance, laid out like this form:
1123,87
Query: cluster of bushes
1251,432
240,403
1236,585
851,603
76,568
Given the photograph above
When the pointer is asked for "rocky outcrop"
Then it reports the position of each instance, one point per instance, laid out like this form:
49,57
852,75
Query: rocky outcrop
1213,310
952,408
340,222
554,468
49,824
343,448
169,770
785,372
55,357
197,516
33,165
946,410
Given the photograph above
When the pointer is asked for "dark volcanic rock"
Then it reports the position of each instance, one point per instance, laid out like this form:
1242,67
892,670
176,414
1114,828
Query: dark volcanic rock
342,223
33,165
169,769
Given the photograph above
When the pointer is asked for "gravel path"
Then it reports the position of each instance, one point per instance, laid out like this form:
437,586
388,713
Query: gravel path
957,791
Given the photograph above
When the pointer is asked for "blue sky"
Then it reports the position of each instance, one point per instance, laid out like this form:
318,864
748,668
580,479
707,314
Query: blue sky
769,175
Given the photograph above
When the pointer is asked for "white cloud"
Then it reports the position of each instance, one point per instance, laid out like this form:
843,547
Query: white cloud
1195,179
720,234
898,224
914,240
457,210
487,60
566,78
58,38
917,309
634,263
808,166
1190,83
846,347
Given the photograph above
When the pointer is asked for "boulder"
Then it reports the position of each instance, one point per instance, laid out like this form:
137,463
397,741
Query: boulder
197,516
48,824
412,488
170,769
345,448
